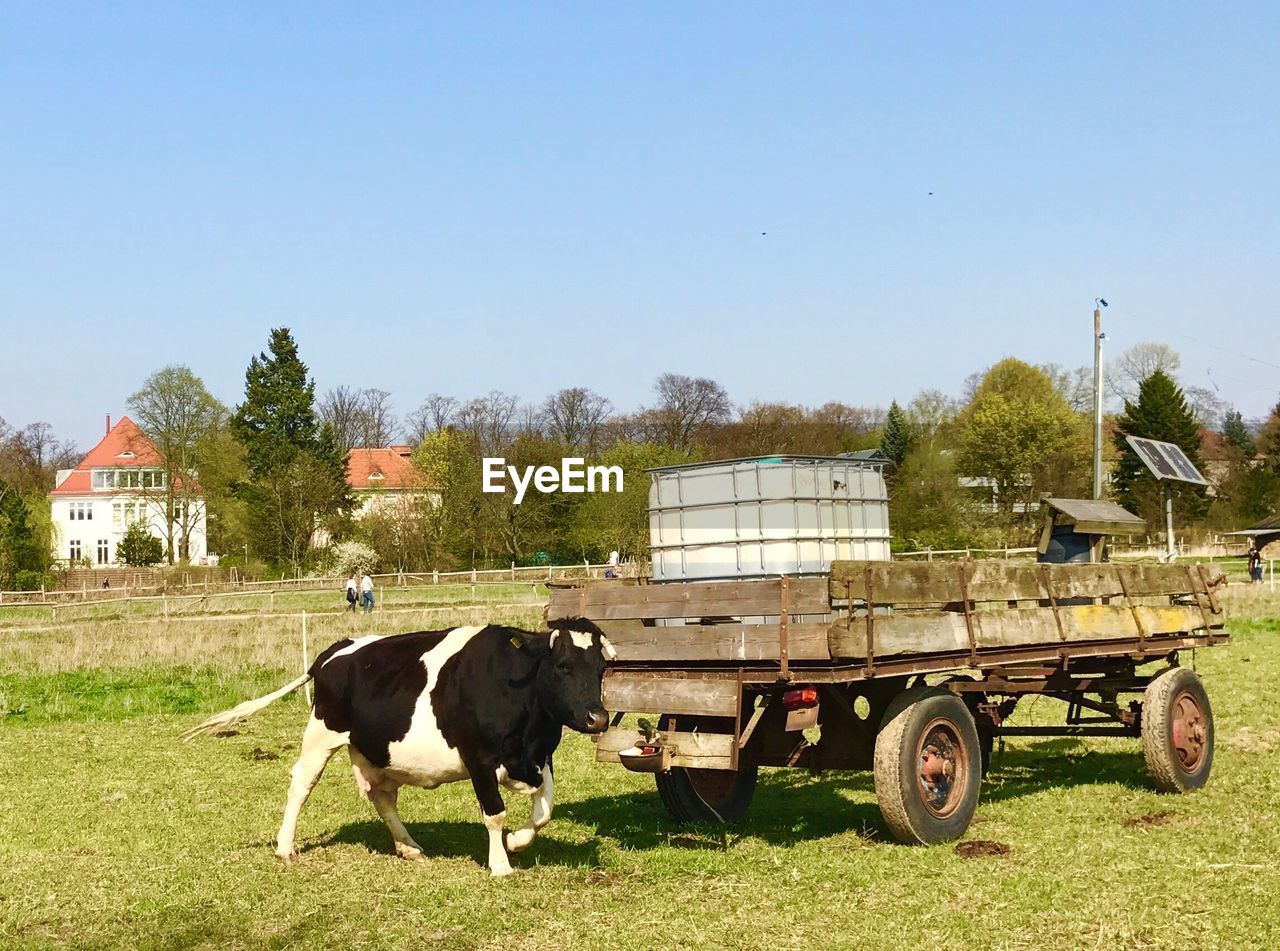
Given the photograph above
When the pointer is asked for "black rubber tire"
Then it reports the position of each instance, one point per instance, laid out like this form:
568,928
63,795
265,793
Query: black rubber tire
900,790
679,789
1165,703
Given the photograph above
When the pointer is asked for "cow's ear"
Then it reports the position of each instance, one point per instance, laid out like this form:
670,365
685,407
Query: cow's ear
524,641
607,649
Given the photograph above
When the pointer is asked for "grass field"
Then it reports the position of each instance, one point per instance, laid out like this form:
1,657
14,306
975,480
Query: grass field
117,835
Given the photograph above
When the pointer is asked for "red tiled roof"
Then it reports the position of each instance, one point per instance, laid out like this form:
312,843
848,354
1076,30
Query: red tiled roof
383,469
124,446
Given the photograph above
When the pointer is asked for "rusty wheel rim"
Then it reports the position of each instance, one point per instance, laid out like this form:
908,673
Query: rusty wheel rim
942,768
1189,731
713,786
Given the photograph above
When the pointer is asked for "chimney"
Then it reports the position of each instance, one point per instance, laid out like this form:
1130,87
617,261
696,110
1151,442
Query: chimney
108,424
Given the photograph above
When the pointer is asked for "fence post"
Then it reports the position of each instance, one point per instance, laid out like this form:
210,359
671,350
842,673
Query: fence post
306,664
513,571
473,580
272,607
164,603
435,576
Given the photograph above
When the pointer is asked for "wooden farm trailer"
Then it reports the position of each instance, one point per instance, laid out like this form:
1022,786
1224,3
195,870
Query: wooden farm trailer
742,674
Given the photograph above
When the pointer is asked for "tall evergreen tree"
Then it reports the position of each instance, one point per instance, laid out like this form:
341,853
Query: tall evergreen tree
297,475
896,441
1161,413
1236,433
20,549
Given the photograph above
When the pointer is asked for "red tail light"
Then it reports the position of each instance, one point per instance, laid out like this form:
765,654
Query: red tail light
804,697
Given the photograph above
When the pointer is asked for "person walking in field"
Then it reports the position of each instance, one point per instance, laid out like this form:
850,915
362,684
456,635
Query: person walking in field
351,592
366,593
1255,564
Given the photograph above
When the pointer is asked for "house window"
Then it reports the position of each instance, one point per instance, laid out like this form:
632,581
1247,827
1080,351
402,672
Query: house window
104,551
79,511
73,550
117,516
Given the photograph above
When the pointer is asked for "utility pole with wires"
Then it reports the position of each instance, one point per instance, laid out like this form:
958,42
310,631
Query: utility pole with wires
1098,337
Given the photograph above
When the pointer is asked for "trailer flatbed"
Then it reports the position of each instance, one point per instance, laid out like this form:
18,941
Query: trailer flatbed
830,673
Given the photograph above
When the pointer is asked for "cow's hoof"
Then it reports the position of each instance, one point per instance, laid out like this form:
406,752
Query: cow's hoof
503,872
517,842
286,858
410,853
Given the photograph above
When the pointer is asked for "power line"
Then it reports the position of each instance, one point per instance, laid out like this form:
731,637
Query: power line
1236,353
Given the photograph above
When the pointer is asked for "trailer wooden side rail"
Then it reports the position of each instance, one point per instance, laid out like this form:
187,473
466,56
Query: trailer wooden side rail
736,671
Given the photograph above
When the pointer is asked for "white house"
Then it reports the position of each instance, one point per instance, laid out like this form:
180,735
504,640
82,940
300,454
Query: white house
119,482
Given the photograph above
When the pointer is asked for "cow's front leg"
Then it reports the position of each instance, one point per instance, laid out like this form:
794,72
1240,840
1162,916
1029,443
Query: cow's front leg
543,798
494,810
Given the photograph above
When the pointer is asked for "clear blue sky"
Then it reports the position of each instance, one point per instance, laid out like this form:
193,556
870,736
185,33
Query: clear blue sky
525,197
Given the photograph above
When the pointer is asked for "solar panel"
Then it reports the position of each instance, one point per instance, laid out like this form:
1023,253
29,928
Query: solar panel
1166,460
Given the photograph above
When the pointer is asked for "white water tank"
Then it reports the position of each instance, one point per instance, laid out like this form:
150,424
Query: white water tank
766,516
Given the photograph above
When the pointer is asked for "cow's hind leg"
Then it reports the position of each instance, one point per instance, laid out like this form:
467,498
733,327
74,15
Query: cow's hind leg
384,800
543,797
494,811
319,743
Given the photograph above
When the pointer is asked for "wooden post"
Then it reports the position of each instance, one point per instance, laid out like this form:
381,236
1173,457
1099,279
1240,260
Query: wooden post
513,571
306,664
272,608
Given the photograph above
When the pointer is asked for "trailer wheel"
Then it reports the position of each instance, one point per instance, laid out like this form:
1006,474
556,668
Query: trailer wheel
1177,731
705,796
928,766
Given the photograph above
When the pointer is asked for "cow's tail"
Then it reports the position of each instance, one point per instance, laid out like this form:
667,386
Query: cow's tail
220,721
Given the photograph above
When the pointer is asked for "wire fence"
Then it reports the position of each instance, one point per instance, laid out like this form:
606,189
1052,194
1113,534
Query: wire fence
515,574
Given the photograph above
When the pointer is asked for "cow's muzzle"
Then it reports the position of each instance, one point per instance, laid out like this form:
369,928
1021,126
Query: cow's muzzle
597,721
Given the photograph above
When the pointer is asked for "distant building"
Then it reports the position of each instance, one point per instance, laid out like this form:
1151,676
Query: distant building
386,479
119,482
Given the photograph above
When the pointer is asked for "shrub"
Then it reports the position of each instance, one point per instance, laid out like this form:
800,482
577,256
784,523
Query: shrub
346,557
138,548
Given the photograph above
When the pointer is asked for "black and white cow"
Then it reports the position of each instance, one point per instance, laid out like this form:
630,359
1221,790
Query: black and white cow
484,703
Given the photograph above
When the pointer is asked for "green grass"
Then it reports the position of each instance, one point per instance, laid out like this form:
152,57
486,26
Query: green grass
117,835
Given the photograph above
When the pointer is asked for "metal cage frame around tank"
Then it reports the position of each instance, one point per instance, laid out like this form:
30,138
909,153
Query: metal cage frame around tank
847,465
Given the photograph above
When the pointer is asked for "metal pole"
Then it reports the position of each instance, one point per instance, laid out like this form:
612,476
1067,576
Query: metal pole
1097,402
1170,551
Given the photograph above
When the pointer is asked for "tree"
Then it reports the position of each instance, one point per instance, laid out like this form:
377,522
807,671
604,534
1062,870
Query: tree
1076,386
23,554
30,457
138,548
1020,433
1125,374
435,413
358,417
180,418
451,466
489,420
896,441
1237,434
1206,406
575,418
929,416
606,522
296,474
1161,413
686,408
930,509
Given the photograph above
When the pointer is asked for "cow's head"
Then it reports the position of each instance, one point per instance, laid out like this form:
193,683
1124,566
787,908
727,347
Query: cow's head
569,678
